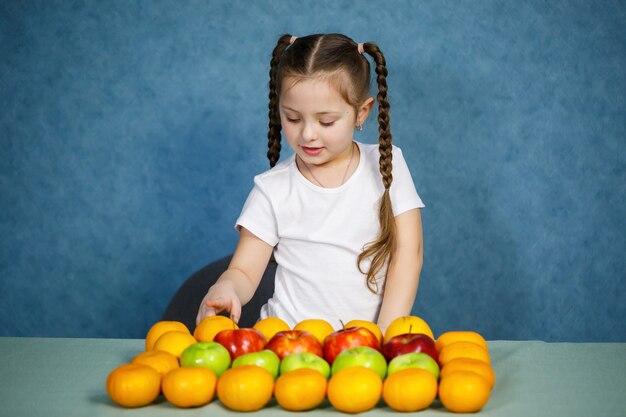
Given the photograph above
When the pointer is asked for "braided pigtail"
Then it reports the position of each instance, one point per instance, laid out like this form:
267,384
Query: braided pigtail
382,249
273,134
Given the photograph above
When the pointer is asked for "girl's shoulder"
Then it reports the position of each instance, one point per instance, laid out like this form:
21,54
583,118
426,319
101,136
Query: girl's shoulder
279,173
370,151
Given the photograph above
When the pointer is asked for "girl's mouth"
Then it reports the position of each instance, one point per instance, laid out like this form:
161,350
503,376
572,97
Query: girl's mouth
312,151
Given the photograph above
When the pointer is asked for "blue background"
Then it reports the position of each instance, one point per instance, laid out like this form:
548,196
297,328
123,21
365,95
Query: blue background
130,132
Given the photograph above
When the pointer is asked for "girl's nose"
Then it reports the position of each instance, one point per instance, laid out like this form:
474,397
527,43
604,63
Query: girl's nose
308,132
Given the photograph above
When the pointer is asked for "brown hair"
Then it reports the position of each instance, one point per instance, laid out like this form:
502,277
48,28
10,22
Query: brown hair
336,57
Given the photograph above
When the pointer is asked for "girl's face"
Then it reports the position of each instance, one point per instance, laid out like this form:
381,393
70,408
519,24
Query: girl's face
317,122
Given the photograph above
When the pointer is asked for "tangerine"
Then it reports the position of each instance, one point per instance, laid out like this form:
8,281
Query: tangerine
161,327
133,385
460,336
212,325
301,389
160,360
317,327
270,326
189,386
474,365
354,389
245,388
464,391
463,350
408,324
410,389
174,342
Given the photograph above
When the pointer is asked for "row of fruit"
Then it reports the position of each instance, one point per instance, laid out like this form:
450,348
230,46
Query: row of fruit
352,367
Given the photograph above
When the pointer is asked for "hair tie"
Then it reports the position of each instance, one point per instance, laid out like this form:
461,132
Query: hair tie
360,48
292,40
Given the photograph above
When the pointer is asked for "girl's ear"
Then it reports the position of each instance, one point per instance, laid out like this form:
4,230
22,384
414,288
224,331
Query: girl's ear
364,111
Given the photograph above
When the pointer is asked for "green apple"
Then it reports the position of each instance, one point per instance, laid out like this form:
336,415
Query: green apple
264,358
211,355
304,360
414,360
361,356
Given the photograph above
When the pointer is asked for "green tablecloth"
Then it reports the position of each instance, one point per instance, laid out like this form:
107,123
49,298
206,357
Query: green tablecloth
66,377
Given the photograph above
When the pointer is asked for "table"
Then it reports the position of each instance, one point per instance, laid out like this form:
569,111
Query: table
66,377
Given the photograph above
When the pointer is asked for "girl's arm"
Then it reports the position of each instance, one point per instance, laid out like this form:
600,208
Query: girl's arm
404,272
236,286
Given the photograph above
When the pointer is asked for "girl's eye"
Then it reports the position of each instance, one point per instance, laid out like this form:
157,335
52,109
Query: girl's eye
327,123
290,120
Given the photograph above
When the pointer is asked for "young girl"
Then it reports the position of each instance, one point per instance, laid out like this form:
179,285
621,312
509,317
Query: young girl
345,233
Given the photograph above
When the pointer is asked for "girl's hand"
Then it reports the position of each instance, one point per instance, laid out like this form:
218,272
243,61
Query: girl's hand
237,284
213,304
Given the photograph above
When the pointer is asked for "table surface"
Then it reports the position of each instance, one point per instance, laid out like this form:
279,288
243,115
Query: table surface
66,377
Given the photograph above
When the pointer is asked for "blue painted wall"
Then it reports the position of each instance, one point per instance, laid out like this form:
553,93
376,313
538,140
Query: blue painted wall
130,132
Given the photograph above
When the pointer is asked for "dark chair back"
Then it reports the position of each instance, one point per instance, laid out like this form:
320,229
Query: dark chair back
184,304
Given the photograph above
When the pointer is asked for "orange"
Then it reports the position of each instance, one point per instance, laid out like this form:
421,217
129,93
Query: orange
160,360
245,388
463,391
301,389
190,386
270,326
460,336
463,350
161,327
212,325
354,389
133,385
408,324
317,327
372,327
174,342
410,389
474,365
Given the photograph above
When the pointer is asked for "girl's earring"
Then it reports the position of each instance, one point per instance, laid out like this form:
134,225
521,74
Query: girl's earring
359,127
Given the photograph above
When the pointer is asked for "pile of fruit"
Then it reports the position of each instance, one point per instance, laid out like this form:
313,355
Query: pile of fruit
353,367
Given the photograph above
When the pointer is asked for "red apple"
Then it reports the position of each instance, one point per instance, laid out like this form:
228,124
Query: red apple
409,343
240,341
346,338
294,341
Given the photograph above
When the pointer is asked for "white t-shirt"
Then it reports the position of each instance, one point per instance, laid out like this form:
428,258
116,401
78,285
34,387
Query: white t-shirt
317,234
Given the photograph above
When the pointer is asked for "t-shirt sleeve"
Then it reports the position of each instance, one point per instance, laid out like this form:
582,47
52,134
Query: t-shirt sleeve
404,196
258,215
